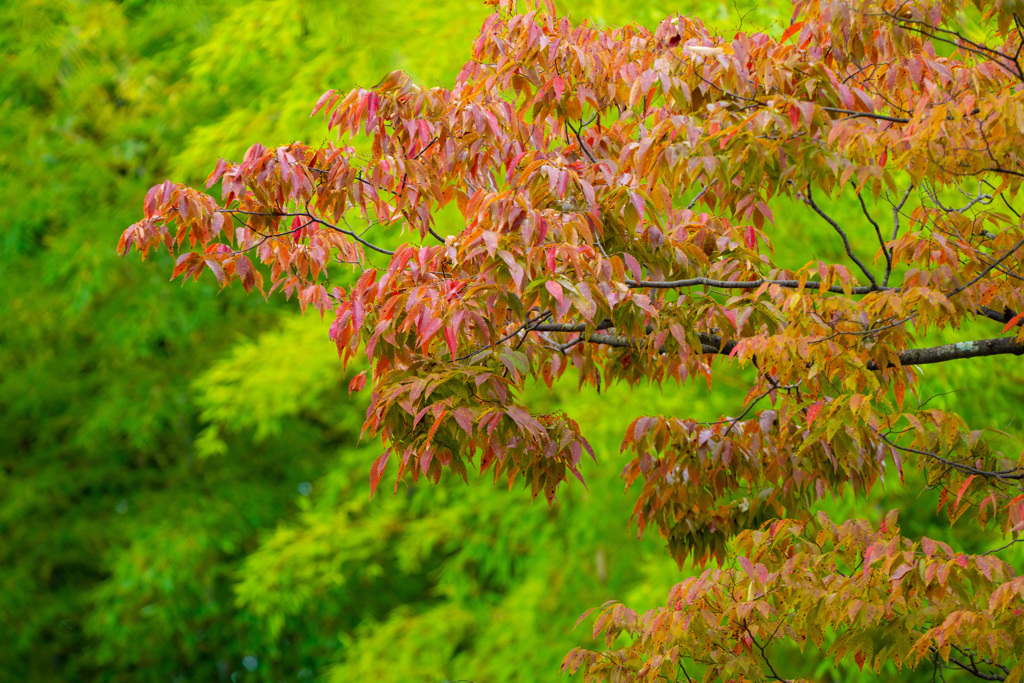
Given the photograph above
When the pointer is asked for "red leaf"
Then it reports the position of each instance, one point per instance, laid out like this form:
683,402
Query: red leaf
751,237
357,383
373,103
962,491
812,411
794,115
183,262
428,329
377,470
513,162
450,339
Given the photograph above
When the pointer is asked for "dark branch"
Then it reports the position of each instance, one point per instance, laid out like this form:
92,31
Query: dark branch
1013,474
977,348
881,240
975,671
712,343
747,284
846,242
866,115
896,229
313,219
987,270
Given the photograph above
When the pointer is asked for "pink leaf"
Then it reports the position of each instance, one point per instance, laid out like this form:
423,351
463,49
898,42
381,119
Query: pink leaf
217,223
638,203
588,193
562,183
149,206
491,240
217,173
641,426
320,103
558,85
464,417
748,567
555,289
218,271
634,266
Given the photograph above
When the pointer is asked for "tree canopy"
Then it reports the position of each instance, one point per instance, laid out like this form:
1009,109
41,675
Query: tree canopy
617,191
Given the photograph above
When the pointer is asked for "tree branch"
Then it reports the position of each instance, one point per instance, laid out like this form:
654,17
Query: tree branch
748,284
1014,474
846,242
989,269
712,343
975,671
866,115
977,348
881,240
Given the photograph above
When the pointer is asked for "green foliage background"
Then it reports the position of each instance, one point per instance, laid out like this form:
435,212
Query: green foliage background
183,493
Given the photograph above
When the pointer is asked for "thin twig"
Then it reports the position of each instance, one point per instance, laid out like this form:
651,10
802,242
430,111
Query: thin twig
809,199
1003,547
1014,474
528,326
866,115
748,284
987,270
881,240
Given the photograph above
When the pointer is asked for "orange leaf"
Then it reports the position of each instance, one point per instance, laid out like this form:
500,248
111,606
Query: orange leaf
1014,321
790,30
